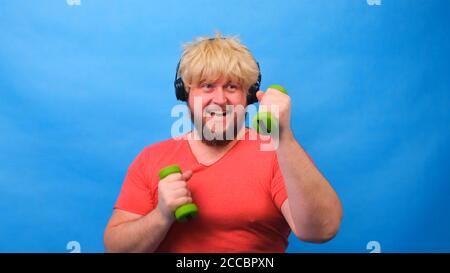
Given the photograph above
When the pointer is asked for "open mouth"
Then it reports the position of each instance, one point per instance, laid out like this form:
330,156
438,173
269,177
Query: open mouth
217,112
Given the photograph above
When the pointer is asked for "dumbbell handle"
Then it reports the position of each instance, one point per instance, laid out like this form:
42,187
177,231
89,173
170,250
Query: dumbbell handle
264,122
184,212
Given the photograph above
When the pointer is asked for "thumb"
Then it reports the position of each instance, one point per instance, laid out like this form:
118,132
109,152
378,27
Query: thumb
187,175
259,95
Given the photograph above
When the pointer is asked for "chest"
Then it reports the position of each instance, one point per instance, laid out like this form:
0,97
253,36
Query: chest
234,197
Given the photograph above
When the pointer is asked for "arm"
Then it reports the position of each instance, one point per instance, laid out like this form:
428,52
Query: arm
313,209
129,232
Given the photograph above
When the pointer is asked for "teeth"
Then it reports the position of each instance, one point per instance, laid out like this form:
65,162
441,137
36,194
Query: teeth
212,113
217,114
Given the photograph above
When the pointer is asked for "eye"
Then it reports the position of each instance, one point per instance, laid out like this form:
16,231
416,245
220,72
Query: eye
207,86
232,87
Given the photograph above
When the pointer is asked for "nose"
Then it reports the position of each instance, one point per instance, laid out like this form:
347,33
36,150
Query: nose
219,96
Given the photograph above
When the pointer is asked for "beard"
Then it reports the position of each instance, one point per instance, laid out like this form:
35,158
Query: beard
218,131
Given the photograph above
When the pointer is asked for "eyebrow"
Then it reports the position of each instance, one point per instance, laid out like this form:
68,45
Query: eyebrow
214,82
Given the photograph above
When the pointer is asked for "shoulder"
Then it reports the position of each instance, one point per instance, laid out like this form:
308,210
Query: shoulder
152,154
162,146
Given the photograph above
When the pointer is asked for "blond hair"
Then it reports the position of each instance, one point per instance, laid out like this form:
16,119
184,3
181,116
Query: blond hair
209,58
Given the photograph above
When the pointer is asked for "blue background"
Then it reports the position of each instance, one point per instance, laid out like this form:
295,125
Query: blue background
84,88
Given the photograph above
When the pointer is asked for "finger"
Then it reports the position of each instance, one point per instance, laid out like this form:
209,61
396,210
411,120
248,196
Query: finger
181,193
183,200
177,185
187,175
173,177
259,95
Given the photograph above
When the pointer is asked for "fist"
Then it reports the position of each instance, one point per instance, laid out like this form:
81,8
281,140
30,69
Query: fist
173,193
278,104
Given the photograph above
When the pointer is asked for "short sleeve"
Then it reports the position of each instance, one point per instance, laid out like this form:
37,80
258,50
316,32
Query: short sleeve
278,190
135,195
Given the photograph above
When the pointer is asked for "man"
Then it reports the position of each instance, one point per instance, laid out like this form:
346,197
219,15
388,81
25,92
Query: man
249,200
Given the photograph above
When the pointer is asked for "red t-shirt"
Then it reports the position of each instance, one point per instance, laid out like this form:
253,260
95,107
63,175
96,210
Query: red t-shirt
239,197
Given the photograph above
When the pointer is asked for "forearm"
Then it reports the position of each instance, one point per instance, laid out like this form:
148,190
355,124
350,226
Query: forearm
315,207
141,235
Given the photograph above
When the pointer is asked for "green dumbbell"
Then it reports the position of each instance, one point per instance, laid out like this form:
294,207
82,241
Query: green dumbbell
186,211
264,122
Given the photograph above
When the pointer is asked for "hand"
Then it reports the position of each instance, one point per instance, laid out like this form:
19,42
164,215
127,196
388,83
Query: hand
173,193
282,110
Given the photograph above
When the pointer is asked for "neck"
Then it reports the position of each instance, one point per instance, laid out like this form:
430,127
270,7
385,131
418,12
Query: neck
194,138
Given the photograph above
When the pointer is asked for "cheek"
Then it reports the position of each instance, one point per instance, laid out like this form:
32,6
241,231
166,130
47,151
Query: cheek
197,104
239,98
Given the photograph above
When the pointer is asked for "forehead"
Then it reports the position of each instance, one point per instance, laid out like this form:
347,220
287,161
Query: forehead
219,79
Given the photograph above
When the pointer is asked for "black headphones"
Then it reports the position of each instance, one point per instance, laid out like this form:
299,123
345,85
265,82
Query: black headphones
182,94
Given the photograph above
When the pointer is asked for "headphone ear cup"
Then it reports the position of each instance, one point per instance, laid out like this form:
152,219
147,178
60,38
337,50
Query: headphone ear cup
251,96
180,91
